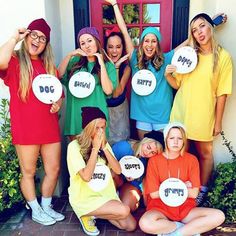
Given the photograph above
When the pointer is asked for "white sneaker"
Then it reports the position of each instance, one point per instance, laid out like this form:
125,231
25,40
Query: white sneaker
53,214
41,217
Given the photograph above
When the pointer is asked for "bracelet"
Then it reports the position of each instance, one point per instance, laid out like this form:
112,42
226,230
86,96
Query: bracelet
114,4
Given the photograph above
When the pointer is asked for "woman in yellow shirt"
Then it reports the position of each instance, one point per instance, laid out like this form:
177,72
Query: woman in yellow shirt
201,96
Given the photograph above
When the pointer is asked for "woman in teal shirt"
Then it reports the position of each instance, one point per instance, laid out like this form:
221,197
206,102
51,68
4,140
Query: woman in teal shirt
89,57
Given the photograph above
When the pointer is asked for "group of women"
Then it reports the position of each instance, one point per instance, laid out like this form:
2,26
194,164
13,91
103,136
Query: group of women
101,118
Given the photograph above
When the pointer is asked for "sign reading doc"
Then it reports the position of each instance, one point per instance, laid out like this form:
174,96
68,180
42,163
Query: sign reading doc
173,192
47,88
81,84
143,82
185,59
100,178
131,166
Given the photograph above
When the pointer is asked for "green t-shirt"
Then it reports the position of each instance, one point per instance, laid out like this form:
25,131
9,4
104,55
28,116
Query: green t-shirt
73,119
82,198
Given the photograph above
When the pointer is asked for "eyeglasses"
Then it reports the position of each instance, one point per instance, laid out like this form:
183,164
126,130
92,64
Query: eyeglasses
34,35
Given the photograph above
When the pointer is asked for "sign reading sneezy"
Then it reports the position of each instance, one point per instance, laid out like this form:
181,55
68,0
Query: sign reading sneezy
185,59
47,88
81,84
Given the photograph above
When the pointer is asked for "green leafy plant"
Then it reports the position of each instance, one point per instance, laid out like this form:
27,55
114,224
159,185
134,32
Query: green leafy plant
10,193
222,194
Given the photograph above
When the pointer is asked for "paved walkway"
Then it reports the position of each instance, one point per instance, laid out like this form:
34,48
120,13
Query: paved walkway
20,224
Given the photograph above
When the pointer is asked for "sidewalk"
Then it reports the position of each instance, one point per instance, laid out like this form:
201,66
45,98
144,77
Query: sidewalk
20,224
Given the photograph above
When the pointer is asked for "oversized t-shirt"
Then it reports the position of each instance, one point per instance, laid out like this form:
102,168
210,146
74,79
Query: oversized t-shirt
155,107
31,121
82,198
195,101
73,119
159,169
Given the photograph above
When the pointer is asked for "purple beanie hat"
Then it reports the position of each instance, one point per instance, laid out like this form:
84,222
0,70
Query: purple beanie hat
89,30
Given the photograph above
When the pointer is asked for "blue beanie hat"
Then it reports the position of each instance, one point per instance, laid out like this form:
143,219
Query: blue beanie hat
151,30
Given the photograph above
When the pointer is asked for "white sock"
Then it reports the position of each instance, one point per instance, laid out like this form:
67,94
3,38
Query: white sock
34,205
46,201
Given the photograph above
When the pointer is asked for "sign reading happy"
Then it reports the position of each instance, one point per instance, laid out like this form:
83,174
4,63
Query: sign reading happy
81,84
131,166
143,82
47,88
173,192
100,178
185,59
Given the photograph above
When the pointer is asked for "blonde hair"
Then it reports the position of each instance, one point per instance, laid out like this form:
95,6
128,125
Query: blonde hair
216,48
26,68
85,140
182,131
157,60
137,145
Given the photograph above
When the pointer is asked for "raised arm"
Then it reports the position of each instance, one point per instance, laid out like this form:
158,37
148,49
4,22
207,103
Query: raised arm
6,50
122,26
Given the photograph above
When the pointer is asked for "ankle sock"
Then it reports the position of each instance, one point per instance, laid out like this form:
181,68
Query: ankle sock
46,201
34,205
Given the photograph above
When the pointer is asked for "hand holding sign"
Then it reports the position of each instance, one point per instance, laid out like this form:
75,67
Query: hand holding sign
47,88
185,59
173,192
143,82
81,84
100,178
131,167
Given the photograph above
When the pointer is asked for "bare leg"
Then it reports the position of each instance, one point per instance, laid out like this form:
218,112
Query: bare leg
28,155
117,213
206,160
130,196
51,156
154,222
201,219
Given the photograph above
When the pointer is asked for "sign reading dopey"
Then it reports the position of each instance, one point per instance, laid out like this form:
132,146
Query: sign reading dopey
143,82
100,178
82,84
131,166
173,192
47,88
185,59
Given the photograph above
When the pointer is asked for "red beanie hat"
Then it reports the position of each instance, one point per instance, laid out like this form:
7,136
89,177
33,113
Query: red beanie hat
91,113
40,25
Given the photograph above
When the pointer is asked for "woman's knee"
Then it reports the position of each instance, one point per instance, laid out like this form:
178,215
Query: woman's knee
124,211
145,225
219,217
28,173
52,172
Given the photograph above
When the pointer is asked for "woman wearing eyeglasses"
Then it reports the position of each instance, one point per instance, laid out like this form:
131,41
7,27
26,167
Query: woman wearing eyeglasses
34,125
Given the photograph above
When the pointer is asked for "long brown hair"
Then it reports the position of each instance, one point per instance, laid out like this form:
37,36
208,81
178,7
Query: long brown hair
26,69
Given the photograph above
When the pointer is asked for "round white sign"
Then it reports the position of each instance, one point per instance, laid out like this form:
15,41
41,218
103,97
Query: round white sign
173,192
101,177
131,166
47,88
82,84
185,59
143,82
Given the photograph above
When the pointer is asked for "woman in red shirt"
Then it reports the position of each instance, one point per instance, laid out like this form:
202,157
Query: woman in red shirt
164,214
34,125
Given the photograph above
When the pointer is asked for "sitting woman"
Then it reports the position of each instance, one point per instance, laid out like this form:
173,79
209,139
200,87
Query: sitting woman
130,190
184,218
85,154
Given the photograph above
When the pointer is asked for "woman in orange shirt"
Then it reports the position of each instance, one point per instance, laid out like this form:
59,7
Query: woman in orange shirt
162,216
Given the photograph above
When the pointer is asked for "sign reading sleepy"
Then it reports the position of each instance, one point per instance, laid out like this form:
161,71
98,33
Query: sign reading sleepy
143,82
173,192
100,178
131,166
81,84
185,59
47,88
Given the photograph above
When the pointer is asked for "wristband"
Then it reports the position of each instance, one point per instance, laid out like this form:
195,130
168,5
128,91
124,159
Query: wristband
114,4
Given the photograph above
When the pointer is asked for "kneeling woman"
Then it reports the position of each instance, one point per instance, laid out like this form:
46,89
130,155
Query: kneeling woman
83,156
162,217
